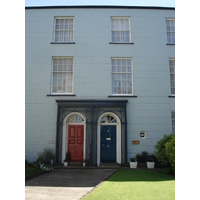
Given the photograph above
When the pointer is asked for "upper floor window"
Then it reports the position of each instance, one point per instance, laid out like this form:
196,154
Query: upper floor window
173,121
64,29
172,75
120,30
62,75
122,81
170,25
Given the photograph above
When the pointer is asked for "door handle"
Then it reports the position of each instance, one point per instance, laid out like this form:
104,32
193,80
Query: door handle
107,146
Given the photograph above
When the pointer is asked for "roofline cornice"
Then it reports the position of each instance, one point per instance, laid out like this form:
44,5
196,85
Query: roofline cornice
100,7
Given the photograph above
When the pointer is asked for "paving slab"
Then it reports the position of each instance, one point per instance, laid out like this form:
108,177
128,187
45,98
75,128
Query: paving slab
60,184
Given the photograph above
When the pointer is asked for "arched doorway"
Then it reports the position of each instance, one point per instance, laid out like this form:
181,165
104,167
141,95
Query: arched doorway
109,138
74,137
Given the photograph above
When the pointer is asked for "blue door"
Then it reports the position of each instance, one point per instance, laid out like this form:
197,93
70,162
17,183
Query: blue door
108,144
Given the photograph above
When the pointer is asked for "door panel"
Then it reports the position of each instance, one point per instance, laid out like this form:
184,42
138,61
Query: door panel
108,143
75,142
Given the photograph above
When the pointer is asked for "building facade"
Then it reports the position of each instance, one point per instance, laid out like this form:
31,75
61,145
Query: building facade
100,81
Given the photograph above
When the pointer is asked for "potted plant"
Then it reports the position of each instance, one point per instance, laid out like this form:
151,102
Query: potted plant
150,161
141,157
41,160
66,159
133,163
45,158
84,161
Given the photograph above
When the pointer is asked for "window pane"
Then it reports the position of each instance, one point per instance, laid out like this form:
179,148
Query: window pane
127,24
113,82
113,24
114,68
172,90
54,89
114,76
172,84
114,90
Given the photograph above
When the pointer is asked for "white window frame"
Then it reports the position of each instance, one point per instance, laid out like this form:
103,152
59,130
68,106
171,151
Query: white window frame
170,19
122,58
170,73
173,120
52,72
64,30
117,18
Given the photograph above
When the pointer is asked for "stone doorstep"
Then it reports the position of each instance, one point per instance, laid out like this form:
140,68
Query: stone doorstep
78,165
103,166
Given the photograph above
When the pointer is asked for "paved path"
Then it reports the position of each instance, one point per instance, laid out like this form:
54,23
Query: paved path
60,184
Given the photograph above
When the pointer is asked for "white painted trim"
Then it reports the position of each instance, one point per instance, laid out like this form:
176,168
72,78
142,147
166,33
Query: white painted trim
65,133
118,136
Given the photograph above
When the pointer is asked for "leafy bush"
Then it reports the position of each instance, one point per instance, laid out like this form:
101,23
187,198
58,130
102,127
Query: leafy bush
144,153
167,170
170,152
151,158
46,155
141,157
161,150
44,159
133,159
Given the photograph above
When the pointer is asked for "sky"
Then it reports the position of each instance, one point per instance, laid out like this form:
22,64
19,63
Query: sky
162,3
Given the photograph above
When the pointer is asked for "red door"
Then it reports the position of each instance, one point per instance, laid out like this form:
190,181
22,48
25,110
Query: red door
75,142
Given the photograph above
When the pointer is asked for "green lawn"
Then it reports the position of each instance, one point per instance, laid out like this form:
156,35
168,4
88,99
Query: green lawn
139,184
32,171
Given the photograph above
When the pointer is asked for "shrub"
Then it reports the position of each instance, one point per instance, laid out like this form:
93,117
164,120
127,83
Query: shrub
170,152
144,153
141,158
133,159
151,158
44,159
46,155
167,170
161,150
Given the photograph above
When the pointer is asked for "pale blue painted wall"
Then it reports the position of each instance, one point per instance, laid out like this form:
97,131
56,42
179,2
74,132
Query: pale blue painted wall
150,111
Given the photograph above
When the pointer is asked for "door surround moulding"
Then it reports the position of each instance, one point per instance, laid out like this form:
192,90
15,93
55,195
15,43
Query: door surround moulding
65,133
118,136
